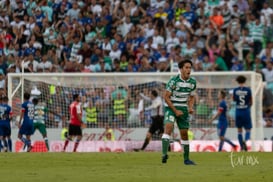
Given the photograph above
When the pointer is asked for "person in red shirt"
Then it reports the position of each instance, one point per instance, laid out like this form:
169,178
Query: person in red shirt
216,19
76,124
5,39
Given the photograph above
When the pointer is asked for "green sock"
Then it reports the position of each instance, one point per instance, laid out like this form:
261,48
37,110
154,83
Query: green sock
186,151
165,145
47,145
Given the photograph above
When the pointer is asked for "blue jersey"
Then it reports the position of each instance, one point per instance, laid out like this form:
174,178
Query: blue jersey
28,109
190,16
39,19
5,112
223,108
222,120
243,100
27,127
242,97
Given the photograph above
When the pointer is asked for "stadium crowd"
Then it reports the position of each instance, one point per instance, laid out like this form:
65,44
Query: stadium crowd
135,36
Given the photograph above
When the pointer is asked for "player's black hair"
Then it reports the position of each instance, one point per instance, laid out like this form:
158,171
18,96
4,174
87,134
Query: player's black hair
26,96
75,96
5,98
35,101
223,93
182,63
241,79
154,93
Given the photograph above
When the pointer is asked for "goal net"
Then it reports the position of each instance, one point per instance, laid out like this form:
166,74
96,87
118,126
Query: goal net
114,98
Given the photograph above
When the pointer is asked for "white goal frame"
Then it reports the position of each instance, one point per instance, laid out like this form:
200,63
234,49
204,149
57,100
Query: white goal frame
255,84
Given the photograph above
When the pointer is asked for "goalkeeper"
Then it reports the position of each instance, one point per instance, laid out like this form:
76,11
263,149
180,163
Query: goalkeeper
157,117
40,110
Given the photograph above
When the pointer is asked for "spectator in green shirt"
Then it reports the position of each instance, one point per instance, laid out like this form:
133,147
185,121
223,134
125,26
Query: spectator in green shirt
220,64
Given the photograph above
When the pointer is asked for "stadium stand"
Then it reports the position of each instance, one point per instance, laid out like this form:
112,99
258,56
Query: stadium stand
135,36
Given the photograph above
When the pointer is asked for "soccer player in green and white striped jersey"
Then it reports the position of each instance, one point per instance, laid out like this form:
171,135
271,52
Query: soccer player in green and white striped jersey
40,110
179,98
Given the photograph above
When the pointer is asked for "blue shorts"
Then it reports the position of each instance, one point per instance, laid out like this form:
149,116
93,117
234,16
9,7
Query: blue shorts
26,129
5,129
221,129
243,119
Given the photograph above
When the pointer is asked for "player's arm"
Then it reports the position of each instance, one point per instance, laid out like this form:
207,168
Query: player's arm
220,110
155,104
79,112
10,116
21,116
167,97
191,99
145,97
191,103
233,95
250,100
79,115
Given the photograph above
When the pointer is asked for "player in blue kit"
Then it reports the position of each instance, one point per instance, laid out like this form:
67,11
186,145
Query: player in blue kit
222,121
243,98
5,130
26,128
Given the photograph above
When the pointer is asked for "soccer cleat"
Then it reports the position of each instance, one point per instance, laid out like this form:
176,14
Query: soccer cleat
189,162
5,149
164,159
29,148
244,146
24,148
137,150
234,148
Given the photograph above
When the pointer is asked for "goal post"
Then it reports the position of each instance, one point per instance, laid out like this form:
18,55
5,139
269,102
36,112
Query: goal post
101,90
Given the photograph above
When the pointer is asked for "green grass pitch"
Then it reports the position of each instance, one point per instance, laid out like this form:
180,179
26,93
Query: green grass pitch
138,167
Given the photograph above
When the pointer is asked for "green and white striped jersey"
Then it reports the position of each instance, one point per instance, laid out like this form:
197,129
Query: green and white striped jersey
256,31
248,39
39,113
181,90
